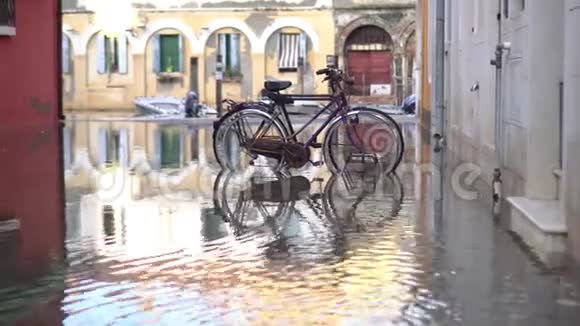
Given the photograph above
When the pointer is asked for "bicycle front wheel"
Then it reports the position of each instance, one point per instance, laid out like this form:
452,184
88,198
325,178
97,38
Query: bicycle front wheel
219,126
363,139
238,136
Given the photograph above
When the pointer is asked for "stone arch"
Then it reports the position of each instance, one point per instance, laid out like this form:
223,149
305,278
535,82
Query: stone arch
368,39
302,77
228,23
157,26
410,37
241,83
88,35
354,25
407,29
73,39
298,23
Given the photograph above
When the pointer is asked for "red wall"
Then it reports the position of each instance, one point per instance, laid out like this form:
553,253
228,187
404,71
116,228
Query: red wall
31,182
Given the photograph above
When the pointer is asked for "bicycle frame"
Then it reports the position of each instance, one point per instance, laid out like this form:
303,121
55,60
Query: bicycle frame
337,101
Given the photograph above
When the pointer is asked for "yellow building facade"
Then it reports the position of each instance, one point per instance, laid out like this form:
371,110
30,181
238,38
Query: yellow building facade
167,51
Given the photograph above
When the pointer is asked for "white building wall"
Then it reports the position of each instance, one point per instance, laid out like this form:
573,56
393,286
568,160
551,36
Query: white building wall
531,74
544,52
571,187
472,34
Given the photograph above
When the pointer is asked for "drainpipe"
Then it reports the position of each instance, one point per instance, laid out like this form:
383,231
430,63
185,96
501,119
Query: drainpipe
500,48
439,80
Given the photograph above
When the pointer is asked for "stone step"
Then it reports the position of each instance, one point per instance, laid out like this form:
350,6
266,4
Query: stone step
542,225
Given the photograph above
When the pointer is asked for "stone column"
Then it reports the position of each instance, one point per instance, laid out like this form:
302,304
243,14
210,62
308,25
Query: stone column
79,100
571,176
201,78
259,72
186,145
139,75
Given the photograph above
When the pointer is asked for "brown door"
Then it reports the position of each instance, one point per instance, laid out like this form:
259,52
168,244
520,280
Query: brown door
369,67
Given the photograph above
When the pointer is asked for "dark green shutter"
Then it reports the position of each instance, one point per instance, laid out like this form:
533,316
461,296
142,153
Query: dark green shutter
169,50
170,148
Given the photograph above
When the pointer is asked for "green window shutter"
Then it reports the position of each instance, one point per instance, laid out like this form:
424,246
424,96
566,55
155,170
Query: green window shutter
169,50
108,54
228,59
170,148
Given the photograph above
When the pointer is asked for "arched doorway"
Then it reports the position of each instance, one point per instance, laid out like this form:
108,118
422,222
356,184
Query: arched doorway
369,61
289,57
166,57
235,50
410,64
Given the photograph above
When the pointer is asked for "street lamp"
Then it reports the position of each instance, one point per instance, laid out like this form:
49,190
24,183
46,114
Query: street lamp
219,76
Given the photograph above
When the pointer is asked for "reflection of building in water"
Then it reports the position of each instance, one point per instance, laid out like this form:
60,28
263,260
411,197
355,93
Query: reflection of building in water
92,146
147,244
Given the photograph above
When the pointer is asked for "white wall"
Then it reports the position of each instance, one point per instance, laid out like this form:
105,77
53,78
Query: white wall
529,143
572,121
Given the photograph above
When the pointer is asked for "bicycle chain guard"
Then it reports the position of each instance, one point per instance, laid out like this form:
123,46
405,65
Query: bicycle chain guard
296,154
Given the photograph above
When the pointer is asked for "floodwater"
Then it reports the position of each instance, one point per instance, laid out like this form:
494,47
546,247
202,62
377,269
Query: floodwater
154,233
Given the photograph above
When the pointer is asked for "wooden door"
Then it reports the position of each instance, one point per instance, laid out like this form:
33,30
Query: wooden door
369,67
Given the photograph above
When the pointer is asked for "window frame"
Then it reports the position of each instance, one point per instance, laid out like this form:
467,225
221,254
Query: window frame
178,64
67,55
8,14
112,54
281,51
230,71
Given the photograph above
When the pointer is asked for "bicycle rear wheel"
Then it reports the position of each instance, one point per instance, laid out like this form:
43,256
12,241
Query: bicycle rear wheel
363,139
238,135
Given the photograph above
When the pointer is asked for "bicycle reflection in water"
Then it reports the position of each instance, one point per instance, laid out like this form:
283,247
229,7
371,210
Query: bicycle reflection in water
296,211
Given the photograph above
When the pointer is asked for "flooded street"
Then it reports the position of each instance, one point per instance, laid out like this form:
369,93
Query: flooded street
155,233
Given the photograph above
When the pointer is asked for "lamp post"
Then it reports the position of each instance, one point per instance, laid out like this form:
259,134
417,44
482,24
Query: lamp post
219,75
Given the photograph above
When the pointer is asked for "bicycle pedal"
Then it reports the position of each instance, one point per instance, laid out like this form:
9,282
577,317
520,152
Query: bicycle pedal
316,145
319,163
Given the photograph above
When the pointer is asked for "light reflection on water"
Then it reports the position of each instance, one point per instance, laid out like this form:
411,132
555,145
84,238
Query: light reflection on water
156,233
262,248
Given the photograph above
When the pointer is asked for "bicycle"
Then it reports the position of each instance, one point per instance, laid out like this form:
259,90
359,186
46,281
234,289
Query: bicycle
375,136
259,199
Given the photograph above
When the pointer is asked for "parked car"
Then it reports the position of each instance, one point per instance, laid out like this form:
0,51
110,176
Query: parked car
409,104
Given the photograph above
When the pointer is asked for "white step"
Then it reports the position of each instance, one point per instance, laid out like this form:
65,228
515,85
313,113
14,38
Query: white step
542,225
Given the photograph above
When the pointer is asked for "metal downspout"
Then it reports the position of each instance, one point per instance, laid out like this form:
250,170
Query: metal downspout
439,89
498,63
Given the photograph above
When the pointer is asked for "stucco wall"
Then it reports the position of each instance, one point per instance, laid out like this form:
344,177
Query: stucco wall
30,165
211,4
198,21
571,187
530,75
88,90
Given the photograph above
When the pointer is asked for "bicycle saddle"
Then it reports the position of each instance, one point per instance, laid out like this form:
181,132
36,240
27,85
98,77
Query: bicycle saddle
277,85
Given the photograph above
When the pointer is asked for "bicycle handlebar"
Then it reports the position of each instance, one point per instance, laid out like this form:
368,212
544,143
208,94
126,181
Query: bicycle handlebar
322,71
